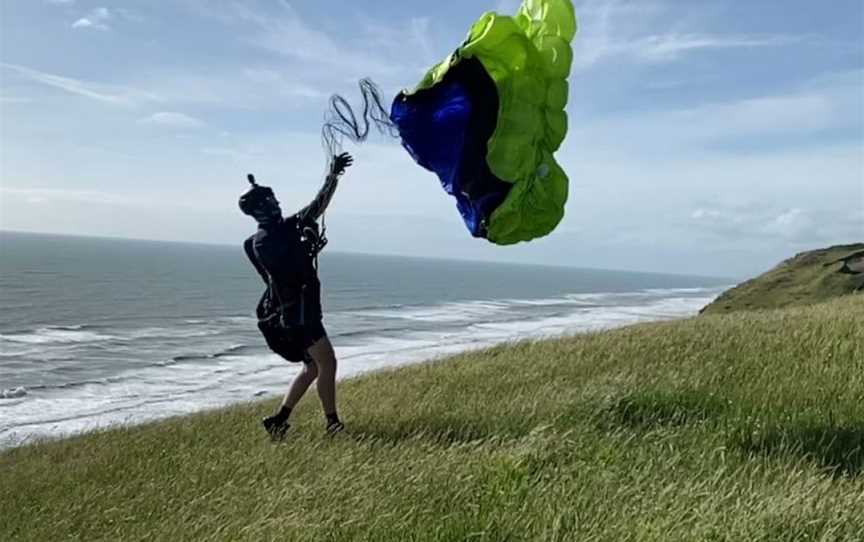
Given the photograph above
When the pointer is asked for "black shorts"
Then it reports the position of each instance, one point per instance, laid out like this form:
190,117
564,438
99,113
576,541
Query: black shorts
310,334
292,343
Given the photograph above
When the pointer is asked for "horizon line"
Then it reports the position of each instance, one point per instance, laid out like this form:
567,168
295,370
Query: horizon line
733,280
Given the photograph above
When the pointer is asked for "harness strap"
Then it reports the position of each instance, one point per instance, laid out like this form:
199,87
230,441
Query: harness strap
271,285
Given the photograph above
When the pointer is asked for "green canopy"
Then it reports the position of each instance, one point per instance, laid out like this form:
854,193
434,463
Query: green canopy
528,56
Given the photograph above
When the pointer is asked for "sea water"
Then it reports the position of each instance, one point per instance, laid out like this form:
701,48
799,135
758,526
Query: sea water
95,332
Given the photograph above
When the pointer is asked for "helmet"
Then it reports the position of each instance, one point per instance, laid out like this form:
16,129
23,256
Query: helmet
254,197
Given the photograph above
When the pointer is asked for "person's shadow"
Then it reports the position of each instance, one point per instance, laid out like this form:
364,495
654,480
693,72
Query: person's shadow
442,430
838,449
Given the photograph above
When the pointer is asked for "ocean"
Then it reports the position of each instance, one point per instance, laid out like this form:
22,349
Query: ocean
96,332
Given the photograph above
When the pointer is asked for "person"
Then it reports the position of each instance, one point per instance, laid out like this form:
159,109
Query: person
284,252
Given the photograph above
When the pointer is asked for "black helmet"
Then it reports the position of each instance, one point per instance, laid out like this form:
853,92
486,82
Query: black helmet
254,197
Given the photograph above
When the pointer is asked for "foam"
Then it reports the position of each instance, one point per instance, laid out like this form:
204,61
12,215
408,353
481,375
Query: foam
56,335
13,393
171,333
444,312
7,352
471,311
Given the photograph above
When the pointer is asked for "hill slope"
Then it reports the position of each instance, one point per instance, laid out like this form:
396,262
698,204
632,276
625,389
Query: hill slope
725,428
809,277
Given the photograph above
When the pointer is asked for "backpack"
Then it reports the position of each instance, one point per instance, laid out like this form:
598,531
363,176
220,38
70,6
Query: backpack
281,324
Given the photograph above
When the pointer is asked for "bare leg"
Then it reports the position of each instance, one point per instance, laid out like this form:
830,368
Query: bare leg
277,424
300,384
325,358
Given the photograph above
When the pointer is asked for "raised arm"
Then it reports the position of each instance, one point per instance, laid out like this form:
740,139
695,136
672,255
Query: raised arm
314,210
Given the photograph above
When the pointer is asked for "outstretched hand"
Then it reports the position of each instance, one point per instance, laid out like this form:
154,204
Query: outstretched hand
341,163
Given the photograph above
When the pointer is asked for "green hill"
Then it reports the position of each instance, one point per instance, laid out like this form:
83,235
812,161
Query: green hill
809,277
724,428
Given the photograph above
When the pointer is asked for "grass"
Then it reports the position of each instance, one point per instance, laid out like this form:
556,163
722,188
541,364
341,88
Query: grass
808,278
741,427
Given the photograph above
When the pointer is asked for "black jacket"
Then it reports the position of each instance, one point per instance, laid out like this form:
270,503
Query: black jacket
285,254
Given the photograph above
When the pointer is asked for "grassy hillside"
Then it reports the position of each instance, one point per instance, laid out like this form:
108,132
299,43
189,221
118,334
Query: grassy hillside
741,427
809,277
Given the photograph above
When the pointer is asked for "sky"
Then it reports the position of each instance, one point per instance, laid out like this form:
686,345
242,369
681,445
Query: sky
712,138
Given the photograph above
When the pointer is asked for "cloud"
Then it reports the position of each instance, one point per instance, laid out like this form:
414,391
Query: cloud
173,120
61,2
228,88
306,66
779,115
385,52
289,35
110,94
792,223
769,223
44,195
84,22
96,19
408,45
827,105
14,99
235,155
280,83
295,64
669,47
610,30
733,211
420,33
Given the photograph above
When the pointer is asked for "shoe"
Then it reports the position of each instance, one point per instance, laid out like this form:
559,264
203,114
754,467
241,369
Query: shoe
335,427
275,428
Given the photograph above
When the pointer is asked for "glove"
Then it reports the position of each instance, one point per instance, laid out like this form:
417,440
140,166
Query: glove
340,164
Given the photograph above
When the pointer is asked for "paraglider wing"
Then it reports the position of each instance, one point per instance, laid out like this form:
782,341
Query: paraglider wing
489,118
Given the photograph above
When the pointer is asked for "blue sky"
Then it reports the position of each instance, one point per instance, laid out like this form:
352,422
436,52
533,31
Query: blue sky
706,137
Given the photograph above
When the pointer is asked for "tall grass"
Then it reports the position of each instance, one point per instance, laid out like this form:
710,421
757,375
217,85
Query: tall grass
741,427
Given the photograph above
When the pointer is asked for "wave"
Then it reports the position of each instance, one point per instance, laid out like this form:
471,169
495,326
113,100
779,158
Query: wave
455,312
89,334
13,393
130,376
10,353
369,332
79,383
169,333
57,335
364,308
672,292
230,351
76,327
239,372
479,309
442,313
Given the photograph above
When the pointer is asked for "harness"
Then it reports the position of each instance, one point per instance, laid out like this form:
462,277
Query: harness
314,242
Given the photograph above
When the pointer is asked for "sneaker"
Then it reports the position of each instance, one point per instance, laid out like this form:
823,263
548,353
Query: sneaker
335,427
275,428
